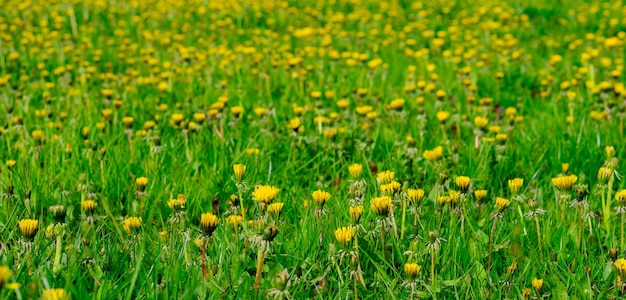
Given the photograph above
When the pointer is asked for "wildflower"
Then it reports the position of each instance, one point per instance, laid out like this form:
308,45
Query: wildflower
621,196
355,170
502,204
270,233
88,206
442,116
381,205
38,136
344,235
442,200
396,104
463,183
208,223
199,117
434,154
480,194
239,170
620,267
177,204
10,163
320,197
236,111
265,193
390,188
604,174
252,151
177,118
28,228
132,224
609,151
564,168
57,212
501,137
234,220
294,124
385,177
54,294
412,269
564,183
141,183
355,213
481,122
5,274
537,284
515,184
415,195
275,208
128,121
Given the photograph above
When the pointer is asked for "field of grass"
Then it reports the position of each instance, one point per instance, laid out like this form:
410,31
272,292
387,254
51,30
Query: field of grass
336,149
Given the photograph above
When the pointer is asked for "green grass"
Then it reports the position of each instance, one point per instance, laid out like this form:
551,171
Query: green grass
150,60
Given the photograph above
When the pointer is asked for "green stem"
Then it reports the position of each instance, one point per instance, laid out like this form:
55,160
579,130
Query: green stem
493,230
259,269
403,218
57,255
539,236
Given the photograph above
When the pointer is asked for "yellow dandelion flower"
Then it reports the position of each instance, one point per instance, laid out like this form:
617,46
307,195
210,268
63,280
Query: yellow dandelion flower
320,197
564,183
442,116
463,183
537,284
55,294
275,208
355,170
355,213
381,205
88,206
345,234
502,203
480,194
132,224
620,267
28,228
208,223
5,275
234,220
516,184
265,193
434,154
385,177
481,122
239,170
411,270
415,195
390,188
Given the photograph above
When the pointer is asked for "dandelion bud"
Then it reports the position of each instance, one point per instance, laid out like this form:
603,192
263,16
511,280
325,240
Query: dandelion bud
239,170
516,184
443,176
604,174
613,254
621,196
234,220
432,236
275,208
564,168
270,233
280,282
233,200
532,203
57,212
609,151
612,163
511,269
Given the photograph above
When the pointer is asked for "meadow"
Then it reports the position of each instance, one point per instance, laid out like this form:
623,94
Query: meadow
331,149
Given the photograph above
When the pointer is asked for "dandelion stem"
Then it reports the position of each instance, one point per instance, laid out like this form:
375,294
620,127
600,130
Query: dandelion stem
259,268
403,218
622,234
57,255
432,265
203,259
382,236
538,236
130,148
580,227
607,216
493,230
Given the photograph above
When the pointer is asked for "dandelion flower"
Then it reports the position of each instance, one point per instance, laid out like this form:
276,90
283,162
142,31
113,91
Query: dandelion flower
515,184
412,269
132,224
381,205
234,220
502,203
415,195
265,193
28,228
434,154
355,213
208,223
355,170
54,294
385,177
564,183
275,208
320,197
537,284
480,194
239,171
463,183
345,234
